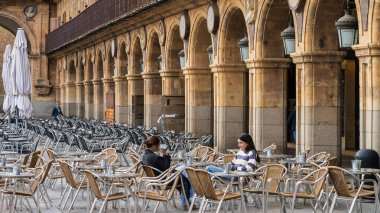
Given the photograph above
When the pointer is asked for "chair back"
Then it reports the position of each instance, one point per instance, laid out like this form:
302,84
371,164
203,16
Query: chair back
93,185
46,171
228,158
25,159
150,171
194,181
206,184
273,171
339,181
52,155
66,170
34,159
320,177
333,161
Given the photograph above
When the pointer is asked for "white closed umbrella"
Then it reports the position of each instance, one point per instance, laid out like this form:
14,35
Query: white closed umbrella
21,76
9,99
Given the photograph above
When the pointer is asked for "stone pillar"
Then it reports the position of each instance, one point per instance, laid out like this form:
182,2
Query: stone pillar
369,81
230,100
89,99
152,99
109,86
268,102
62,99
121,99
71,105
135,92
98,100
80,99
173,94
318,80
199,101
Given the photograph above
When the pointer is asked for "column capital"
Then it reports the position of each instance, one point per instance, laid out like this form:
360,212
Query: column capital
87,83
119,78
107,80
269,63
70,84
224,68
318,57
97,82
150,75
79,83
134,77
197,71
367,50
170,73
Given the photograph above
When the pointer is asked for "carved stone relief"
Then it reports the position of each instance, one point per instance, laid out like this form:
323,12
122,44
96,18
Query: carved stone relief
162,32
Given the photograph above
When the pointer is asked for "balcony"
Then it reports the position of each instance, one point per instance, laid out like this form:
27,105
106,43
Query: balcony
99,15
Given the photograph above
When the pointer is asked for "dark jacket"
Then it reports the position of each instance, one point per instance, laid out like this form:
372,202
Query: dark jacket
56,111
292,121
151,159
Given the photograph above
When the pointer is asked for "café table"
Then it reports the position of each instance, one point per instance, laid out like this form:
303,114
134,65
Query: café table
16,141
274,157
15,178
241,176
118,176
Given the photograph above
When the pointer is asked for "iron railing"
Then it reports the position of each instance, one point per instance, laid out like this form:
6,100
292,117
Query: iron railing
99,15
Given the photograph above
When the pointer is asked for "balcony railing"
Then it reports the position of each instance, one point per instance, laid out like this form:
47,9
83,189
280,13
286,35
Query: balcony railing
98,15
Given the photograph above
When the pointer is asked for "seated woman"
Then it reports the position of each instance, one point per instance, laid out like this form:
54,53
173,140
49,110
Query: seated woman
246,159
162,163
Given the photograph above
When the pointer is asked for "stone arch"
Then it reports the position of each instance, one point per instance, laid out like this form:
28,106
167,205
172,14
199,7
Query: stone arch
81,71
71,75
319,27
174,45
11,23
137,56
110,63
232,29
270,23
200,40
153,52
123,60
99,65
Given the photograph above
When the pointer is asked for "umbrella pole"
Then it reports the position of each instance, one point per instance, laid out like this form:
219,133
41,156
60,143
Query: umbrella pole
16,117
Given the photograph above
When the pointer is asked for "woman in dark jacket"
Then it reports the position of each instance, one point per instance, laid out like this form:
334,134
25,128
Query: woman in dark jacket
162,163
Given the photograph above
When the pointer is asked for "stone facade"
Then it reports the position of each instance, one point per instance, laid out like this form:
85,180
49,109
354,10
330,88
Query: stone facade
229,96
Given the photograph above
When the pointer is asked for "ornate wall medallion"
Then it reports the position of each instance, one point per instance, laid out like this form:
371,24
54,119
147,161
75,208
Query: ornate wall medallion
30,11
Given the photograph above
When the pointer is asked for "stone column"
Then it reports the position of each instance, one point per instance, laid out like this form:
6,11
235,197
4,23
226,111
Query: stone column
89,99
230,100
369,81
109,86
173,92
199,101
80,99
268,102
318,80
121,99
152,99
62,94
71,105
135,90
98,100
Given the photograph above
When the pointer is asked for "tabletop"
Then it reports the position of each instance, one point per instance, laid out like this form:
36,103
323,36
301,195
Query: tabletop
79,159
11,175
363,171
119,175
237,174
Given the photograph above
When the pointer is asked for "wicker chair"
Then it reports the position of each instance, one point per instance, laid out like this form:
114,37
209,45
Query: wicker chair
153,188
92,181
211,194
346,190
72,184
269,183
309,187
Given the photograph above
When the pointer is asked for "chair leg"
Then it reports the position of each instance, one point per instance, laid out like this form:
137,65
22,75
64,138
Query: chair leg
68,196
74,198
103,204
93,205
333,203
352,205
192,203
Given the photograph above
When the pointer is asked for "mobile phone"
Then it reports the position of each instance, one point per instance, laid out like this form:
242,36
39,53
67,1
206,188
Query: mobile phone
163,146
